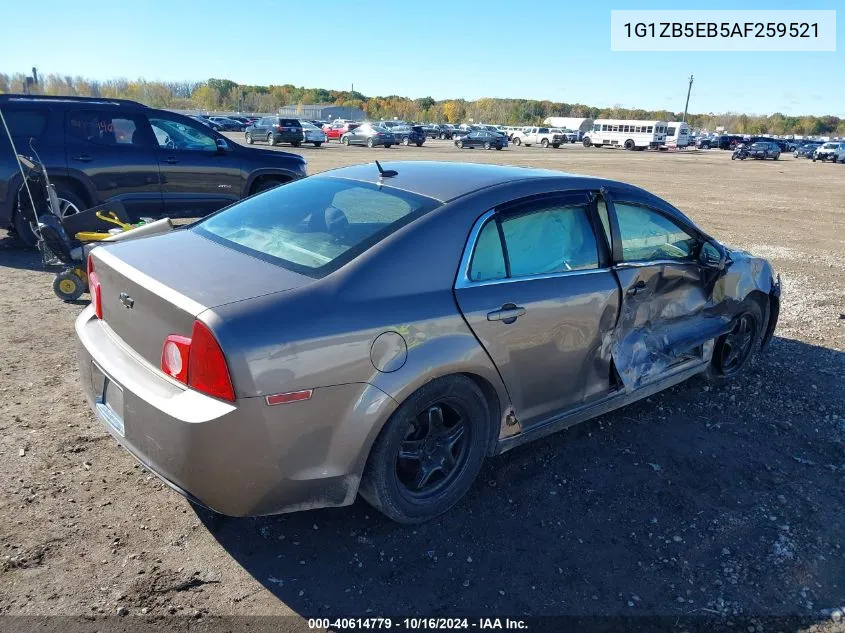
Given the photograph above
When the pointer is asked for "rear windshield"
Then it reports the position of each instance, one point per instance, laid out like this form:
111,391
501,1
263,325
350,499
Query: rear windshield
314,225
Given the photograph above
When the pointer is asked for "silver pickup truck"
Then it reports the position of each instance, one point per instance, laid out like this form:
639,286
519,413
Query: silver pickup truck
543,136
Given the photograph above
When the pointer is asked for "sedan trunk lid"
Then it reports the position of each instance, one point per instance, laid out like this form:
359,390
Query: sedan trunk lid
153,287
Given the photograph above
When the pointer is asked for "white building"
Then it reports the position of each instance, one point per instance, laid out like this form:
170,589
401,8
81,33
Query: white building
570,123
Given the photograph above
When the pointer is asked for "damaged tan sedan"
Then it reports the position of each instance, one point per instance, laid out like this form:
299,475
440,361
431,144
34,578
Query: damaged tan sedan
381,331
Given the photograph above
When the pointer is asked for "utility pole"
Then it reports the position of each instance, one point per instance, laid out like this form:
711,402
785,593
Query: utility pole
686,105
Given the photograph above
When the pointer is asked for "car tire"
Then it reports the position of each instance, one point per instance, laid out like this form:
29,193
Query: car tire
499,147
630,145
459,144
264,185
344,141
419,144
388,146
517,141
556,145
429,452
68,286
487,145
271,140
442,137
587,142
296,143
544,143
248,138
406,141
370,143
744,343
23,231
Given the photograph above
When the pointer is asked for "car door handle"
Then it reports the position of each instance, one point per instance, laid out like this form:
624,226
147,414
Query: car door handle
172,160
508,313
84,158
635,288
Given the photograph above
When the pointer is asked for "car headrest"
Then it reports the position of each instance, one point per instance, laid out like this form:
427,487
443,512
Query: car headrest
332,220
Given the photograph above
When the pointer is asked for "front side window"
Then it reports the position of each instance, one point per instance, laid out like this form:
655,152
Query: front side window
648,235
175,134
314,225
105,128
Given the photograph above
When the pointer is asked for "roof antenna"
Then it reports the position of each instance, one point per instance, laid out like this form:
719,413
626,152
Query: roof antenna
386,173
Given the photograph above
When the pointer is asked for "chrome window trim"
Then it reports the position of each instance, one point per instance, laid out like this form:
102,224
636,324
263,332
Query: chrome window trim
654,262
464,281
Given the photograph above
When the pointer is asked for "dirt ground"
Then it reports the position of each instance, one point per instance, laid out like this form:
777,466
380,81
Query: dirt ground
722,502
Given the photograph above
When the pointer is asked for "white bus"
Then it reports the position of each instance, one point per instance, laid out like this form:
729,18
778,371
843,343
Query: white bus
628,134
677,134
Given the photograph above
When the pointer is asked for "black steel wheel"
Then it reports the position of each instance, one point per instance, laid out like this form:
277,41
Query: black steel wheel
735,349
434,450
429,452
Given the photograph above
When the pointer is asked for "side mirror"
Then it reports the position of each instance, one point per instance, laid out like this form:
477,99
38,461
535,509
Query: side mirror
222,146
713,255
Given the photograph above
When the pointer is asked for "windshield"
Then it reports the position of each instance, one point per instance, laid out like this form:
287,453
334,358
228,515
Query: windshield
315,225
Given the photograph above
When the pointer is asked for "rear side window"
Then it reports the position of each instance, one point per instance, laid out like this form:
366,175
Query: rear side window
315,225
26,123
552,239
290,123
103,128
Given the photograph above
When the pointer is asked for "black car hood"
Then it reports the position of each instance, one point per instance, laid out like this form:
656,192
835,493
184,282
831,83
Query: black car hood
269,154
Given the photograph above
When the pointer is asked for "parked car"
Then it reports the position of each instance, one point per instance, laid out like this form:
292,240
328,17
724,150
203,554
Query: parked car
568,135
339,357
227,124
206,122
369,134
409,135
707,142
763,150
481,138
806,150
539,136
156,162
275,129
833,151
447,131
337,129
432,130
313,134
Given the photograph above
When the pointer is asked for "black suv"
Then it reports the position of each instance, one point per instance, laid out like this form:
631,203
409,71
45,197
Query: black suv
157,163
274,130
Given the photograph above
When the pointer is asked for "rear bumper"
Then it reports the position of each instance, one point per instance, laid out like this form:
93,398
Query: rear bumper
240,459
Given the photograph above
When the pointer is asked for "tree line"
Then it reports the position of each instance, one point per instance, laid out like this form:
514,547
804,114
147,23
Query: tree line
223,95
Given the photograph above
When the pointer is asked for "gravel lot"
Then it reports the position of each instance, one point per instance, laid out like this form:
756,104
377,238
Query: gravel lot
725,502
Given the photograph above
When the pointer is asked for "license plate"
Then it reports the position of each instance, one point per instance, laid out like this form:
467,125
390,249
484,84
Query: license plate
109,399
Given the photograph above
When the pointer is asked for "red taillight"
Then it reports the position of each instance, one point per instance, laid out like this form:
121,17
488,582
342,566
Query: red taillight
94,289
198,362
207,370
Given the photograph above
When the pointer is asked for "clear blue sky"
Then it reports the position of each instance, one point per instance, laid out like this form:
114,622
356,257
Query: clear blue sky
456,48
